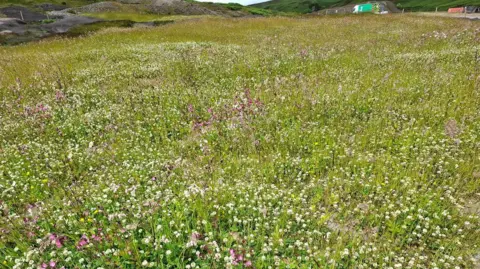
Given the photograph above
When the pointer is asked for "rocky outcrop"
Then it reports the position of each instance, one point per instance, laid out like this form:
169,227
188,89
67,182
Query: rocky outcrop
12,26
22,13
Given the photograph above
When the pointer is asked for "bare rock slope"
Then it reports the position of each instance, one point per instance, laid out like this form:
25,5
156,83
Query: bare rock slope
179,7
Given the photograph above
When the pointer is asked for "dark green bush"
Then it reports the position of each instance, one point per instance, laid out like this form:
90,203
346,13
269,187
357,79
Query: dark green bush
234,6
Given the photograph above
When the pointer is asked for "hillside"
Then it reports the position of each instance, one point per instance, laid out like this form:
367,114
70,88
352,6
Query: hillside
306,6
300,6
29,20
163,7
68,3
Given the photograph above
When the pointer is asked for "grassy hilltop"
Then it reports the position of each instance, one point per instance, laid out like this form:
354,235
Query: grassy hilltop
244,143
305,6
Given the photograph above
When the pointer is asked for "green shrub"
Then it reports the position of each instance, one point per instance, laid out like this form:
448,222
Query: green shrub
160,23
234,6
259,11
47,21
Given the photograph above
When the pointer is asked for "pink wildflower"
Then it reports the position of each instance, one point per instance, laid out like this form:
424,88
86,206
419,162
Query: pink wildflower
57,240
96,237
236,258
52,237
83,241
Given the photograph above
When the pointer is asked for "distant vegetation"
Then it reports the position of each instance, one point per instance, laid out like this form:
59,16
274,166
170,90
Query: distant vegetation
429,5
69,3
237,7
302,6
306,6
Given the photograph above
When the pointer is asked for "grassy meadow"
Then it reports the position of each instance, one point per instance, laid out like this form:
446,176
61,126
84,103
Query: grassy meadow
323,142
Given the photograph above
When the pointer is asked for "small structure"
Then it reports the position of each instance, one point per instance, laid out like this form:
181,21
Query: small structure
363,8
371,7
456,10
472,9
467,9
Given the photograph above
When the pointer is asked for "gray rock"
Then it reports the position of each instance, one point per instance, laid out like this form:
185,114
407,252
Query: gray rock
6,32
13,25
19,12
